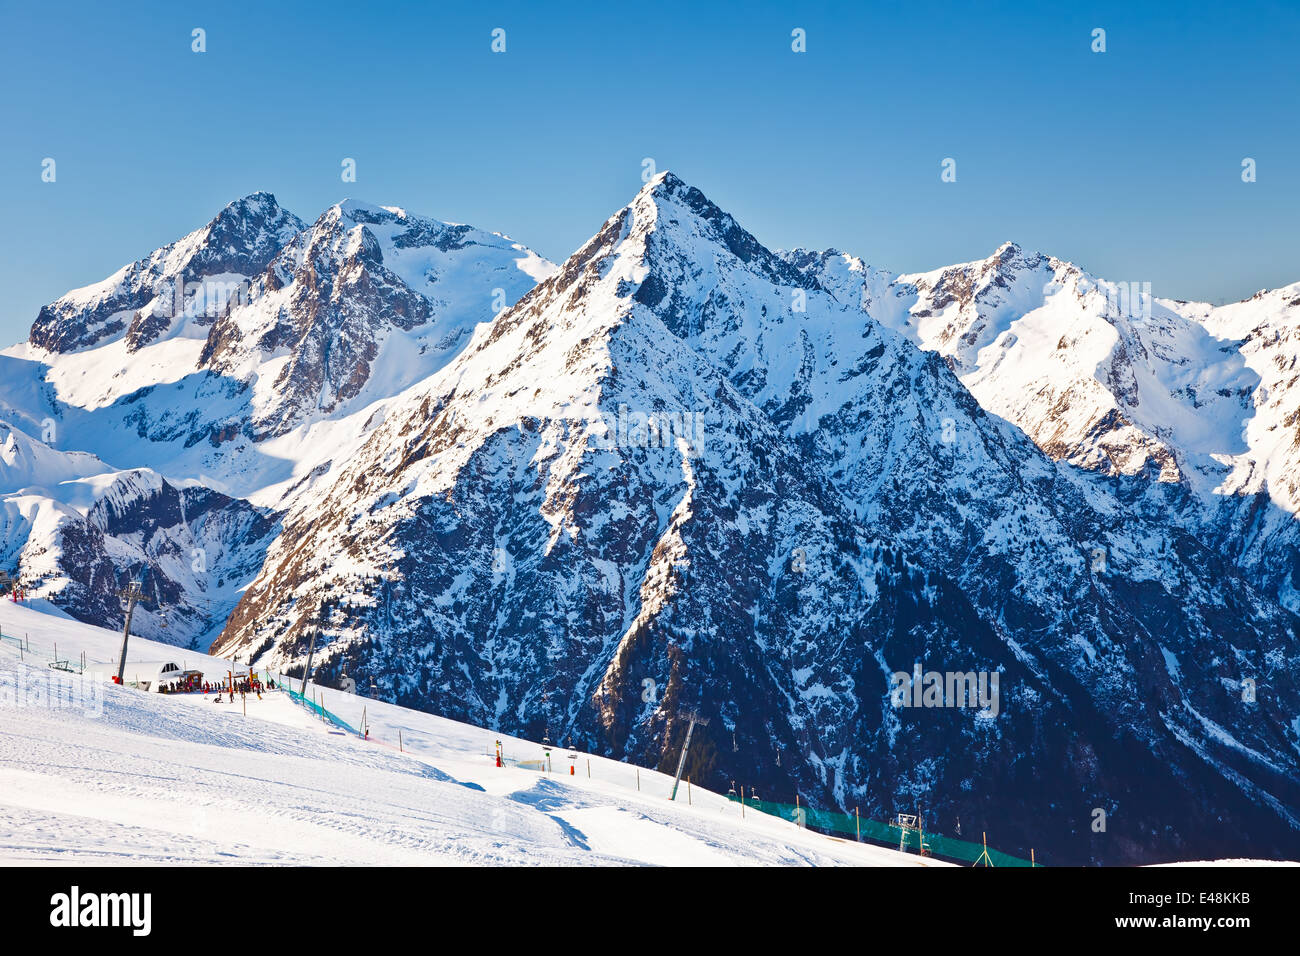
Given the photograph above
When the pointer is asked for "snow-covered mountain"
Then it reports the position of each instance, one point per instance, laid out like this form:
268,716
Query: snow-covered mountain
236,365
138,303
365,303
682,470
254,379
77,528
1099,374
1110,378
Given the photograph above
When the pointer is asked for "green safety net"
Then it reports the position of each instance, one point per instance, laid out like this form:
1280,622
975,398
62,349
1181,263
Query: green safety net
949,848
319,710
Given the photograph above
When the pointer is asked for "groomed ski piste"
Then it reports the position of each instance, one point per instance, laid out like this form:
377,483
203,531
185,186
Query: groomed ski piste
110,775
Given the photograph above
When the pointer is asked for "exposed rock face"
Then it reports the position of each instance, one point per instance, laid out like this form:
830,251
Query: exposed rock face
77,531
331,301
140,299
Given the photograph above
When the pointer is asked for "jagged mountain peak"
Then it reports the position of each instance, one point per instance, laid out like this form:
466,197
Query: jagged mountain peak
1006,263
260,202
139,301
366,289
1011,251
360,212
686,223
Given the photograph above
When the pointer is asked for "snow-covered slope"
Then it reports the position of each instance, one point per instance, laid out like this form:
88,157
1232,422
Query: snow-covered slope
1258,496
1264,329
118,776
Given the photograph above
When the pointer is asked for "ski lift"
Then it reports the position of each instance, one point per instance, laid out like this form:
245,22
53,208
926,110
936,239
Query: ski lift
731,794
735,749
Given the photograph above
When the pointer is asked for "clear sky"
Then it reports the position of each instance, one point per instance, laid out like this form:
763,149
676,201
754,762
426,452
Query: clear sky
1126,162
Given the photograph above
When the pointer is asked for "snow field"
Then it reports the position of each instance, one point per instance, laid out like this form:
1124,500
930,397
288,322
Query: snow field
147,778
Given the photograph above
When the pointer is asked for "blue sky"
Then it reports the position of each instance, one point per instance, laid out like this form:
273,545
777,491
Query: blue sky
1126,162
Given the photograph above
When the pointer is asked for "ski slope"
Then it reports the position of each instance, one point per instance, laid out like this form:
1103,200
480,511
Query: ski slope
132,777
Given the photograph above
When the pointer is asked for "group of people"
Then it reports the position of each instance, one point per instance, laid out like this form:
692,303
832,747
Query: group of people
249,685
187,685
